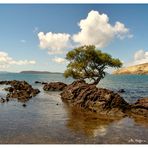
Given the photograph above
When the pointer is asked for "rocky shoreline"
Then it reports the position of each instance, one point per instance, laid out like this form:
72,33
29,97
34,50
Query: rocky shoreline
102,101
21,90
81,95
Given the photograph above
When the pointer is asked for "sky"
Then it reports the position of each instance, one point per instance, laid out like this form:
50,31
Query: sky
38,36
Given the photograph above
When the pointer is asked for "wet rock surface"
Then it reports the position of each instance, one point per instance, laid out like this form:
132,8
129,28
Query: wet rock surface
140,107
21,90
94,99
38,82
103,101
121,90
54,86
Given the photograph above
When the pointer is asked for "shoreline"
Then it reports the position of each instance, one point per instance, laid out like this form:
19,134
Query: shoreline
48,112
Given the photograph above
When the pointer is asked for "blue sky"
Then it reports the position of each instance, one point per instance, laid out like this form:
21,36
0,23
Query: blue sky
20,25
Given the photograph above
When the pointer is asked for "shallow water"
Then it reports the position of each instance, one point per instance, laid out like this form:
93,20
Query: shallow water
46,119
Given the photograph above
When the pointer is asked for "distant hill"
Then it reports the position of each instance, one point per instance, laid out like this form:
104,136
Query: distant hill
39,72
5,72
137,69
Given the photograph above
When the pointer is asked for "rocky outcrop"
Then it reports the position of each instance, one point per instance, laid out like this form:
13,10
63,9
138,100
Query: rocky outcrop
91,98
20,90
137,69
140,107
54,86
102,101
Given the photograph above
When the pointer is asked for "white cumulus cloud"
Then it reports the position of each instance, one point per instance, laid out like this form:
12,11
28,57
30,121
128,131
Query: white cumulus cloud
59,60
97,30
56,43
6,61
140,57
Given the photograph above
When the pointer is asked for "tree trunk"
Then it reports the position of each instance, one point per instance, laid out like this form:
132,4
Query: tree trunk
96,81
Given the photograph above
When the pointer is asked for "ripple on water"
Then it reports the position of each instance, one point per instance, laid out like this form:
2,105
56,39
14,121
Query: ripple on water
43,121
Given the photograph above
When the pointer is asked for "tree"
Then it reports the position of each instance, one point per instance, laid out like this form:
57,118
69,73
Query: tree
86,62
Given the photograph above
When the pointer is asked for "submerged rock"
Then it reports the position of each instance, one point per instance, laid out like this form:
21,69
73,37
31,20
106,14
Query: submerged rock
54,86
38,82
24,105
91,98
121,90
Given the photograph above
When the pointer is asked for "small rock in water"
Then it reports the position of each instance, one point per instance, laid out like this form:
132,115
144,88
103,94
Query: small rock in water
37,82
7,99
121,90
24,105
2,100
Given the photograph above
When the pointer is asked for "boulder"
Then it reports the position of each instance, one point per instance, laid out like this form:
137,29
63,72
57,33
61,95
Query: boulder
54,86
37,82
21,90
140,108
89,97
2,100
121,90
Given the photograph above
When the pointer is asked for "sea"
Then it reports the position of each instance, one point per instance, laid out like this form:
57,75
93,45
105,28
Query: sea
47,120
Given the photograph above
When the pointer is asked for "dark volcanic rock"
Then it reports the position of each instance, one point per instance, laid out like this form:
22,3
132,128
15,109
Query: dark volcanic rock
24,105
103,101
38,82
2,100
140,107
99,100
54,86
20,90
143,103
10,89
121,90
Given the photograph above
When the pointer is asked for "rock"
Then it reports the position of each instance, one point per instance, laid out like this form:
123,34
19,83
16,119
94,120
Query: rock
3,82
121,90
34,92
143,103
44,83
99,100
54,86
140,108
24,105
7,99
21,90
10,89
2,100
37,82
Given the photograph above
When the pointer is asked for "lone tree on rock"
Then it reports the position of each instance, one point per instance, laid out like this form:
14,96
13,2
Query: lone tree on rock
86,62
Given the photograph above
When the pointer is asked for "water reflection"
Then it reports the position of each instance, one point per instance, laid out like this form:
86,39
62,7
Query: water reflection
88,124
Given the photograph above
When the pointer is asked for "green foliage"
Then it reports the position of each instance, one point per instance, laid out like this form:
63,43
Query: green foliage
86,62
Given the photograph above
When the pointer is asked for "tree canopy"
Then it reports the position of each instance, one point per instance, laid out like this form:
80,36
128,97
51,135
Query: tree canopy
87,62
